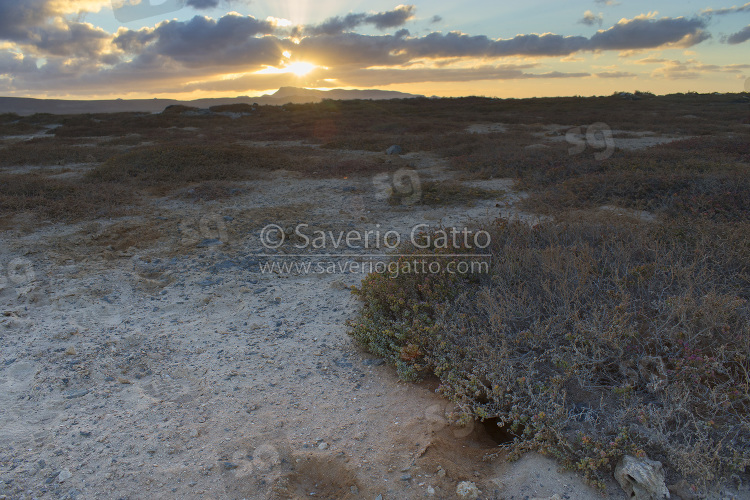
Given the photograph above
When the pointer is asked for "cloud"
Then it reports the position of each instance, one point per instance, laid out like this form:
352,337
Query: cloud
436,19
590,19
693,68
742,35
382,21
18,18
204,41
393,18
63,54
608,3
615,74
203,4
727,10
643,33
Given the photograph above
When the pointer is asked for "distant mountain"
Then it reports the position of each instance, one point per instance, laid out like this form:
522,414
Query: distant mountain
285,95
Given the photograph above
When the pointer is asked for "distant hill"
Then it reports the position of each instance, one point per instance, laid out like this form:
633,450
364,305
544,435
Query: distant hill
285,95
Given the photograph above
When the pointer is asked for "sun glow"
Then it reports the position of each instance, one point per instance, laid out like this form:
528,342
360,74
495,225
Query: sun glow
300,68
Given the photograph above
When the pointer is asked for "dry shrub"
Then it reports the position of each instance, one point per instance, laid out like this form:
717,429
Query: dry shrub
706,176
61,199
178,164
52,151
588,339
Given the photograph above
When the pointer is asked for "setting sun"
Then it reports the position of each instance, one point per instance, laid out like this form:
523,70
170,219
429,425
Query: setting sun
299,68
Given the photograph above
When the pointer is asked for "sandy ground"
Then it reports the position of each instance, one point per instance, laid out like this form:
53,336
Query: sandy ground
150,357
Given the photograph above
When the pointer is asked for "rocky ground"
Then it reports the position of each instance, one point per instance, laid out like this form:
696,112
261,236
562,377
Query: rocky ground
151,357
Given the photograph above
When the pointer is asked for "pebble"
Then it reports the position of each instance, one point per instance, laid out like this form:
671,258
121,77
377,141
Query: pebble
323,446
64,475
76,393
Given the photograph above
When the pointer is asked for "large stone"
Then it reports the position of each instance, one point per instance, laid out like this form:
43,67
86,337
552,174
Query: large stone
641,478
394,150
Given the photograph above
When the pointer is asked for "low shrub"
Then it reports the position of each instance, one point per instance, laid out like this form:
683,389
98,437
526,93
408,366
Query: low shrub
587,340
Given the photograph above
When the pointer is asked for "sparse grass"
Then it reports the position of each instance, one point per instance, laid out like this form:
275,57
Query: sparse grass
59,199
445,193
45,151
179,164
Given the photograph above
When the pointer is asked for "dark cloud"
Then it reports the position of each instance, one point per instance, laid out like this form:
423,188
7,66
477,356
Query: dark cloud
206,42
203,4
336,25
237,40
382,21
643,33
436,19
742,35
18,17
37,26
392,18
71,39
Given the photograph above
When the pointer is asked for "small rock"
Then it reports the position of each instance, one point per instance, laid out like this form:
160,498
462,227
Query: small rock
194,433
64,475
394,150
406,477
354,490
70,351
229,465
467,489
440,472
641,478
323,446
209,243
77,393
430,491
553,497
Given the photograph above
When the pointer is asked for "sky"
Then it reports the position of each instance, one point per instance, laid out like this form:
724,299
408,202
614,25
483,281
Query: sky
189,49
